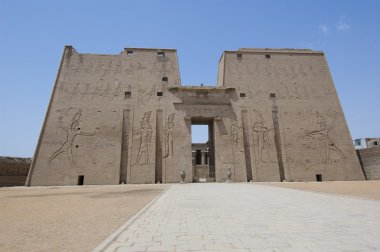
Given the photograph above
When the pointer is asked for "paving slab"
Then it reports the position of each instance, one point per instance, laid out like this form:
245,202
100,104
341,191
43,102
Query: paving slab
250,217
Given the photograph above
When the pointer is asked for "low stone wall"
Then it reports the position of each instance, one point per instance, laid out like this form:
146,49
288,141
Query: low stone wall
13,171
370,160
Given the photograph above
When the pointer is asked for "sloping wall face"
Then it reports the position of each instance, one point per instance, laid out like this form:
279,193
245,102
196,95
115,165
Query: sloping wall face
294,124
103,117
125,118
370,158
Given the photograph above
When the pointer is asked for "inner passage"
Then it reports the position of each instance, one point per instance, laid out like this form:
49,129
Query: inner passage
200,146
199,133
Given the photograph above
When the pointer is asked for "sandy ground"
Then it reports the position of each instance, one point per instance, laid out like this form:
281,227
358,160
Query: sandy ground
67,218
362,189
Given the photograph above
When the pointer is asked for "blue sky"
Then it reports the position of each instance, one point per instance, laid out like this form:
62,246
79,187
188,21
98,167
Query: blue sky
33,34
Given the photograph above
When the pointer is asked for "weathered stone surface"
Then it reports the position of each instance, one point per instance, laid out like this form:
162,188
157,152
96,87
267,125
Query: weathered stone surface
273,116
370,159
14,170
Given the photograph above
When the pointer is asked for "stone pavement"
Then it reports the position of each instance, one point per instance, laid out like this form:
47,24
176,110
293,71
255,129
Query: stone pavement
248,217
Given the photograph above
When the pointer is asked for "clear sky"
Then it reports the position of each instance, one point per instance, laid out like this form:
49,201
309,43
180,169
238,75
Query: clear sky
33,34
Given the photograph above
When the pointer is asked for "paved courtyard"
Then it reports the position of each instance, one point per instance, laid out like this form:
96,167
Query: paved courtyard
250,217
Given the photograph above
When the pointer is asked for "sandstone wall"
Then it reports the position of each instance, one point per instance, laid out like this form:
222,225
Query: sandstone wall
290,97
105,104
273,116
370,159
13,171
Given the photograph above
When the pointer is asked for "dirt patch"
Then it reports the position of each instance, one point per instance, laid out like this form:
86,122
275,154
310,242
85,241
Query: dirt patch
369,189
67,218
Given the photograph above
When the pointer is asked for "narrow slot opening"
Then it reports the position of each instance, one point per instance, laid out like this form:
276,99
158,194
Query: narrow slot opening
80,179
318,177
161,54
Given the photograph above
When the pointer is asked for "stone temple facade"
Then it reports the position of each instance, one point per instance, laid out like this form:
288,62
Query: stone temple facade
274,115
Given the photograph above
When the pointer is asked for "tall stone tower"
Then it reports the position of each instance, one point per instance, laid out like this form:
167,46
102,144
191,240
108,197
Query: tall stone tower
273,116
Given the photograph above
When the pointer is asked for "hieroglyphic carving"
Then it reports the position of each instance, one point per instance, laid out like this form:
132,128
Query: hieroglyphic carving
117,90
285,70
152,91
86,89
322,134
74,91
100,88
305,92
145,134
156,69
236,135
298,91
169,136
107,90
205,111
72,131
134,67
163,66
262,139
166,67
117,68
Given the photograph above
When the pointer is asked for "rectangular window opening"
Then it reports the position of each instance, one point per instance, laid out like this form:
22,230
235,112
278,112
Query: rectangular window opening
161,54
242,94
127,94
272,95
160,93
318,177
129,53
239,56
80,179
267,56
164,78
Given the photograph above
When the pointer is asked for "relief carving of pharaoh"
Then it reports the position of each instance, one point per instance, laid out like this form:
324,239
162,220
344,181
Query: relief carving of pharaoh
144,133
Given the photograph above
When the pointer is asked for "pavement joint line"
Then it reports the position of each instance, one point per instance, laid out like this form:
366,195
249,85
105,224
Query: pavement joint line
110,239
326,193
219,216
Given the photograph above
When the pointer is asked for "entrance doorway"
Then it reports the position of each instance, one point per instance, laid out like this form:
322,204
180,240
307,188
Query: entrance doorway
80,179
318,177
203,149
